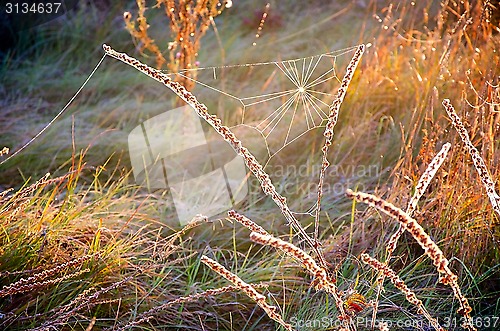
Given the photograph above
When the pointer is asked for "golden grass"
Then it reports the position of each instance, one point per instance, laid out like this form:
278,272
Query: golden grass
39,280
188,22
400,285
248,289
441,263
330,125
432,64
261,236
481,168
420,189
149,314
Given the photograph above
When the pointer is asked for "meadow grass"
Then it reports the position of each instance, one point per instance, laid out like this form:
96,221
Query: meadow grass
86,248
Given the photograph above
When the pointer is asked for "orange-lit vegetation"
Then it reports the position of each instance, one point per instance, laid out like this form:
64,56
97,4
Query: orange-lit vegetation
88,249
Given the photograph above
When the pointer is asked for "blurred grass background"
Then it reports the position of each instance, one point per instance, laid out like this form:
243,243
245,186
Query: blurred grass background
392,118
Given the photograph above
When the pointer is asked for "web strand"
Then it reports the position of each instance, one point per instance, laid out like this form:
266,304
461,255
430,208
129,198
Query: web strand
281,106
58,115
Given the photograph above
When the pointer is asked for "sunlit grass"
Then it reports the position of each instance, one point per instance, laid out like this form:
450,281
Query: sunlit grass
392,118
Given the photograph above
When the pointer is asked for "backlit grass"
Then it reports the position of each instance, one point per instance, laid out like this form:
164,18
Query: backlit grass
117,251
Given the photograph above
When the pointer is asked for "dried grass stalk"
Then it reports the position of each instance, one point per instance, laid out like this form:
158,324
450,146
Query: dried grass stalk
149,314
427,177
86,299
167,245
248,289
319,273
488,183
14,209
22,198
246,222
332,120
32,188
430,248
400,285
422,185
38,280
250,161
4,193
30,287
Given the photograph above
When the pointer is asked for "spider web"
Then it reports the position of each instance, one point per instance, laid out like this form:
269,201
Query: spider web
280,101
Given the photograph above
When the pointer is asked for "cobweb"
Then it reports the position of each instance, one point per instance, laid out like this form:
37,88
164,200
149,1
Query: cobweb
280,101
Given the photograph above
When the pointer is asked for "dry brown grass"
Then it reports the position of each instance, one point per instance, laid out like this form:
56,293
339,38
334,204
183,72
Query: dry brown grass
400,285
441,263
188,22
433,64
248,289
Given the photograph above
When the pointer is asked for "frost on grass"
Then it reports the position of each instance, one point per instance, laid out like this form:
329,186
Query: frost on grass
225,132
317,266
